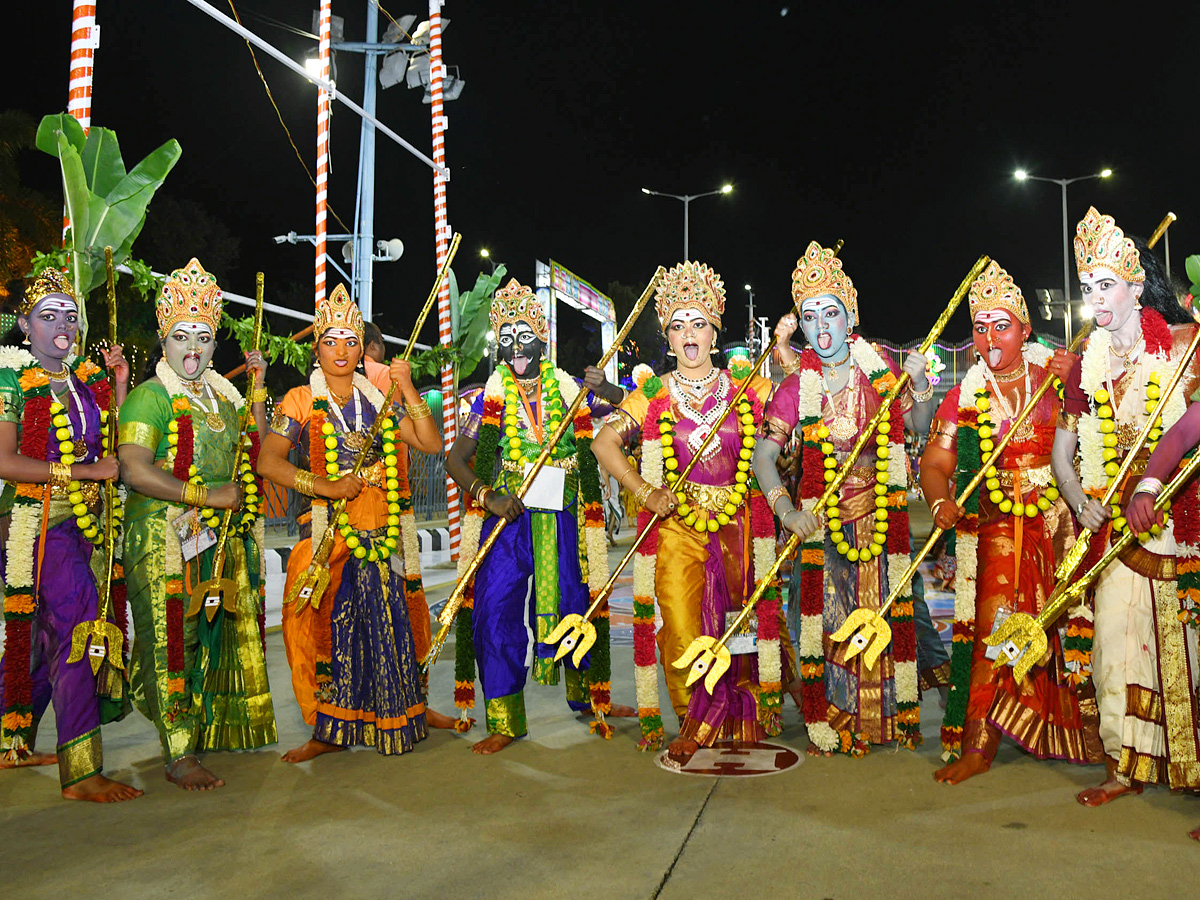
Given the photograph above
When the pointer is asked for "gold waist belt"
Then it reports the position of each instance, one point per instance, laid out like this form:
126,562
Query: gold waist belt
567,464
710,497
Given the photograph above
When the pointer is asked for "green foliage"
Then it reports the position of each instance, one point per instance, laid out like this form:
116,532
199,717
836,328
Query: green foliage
469,328
273,346
1192,266
105,203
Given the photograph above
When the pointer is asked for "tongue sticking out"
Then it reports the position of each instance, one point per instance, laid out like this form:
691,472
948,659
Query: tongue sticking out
824,340
191,365
62,342
691,351
520,364
993,357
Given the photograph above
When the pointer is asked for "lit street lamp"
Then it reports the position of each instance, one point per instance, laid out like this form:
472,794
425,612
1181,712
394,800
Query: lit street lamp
1022,175
687,199
487,254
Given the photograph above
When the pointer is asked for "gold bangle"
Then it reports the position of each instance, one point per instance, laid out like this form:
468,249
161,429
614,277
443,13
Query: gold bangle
643,494
774,494
937,504
304,483
60,475
790,368
482,498
621,477
194,494
418,411
258,395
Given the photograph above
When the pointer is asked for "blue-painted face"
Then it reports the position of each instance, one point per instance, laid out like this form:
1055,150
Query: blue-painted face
826,326
51,327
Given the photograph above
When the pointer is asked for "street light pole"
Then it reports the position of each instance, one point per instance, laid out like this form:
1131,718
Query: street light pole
686,199
1022,175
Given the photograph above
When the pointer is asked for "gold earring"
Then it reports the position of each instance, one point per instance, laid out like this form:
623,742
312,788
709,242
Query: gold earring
25,342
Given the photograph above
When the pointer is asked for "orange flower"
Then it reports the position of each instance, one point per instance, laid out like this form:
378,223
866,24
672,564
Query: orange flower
19,604
33,377
15,721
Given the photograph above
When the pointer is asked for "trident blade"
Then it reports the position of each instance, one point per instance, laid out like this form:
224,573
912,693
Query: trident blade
700,667
586,641
719,667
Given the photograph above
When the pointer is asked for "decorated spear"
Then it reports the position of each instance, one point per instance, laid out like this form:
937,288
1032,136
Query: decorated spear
311,588
455,600
218,590
101,639
708,657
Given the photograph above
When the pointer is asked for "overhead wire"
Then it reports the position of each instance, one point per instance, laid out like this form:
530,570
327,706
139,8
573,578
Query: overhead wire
279,115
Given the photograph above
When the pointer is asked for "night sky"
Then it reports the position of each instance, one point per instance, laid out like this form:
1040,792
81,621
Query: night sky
894,130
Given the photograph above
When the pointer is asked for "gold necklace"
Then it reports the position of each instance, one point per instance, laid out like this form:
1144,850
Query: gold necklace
61,375
835,364
1014,375
1126,362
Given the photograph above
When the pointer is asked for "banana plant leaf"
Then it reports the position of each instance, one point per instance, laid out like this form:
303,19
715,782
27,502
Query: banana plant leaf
105,204
473,320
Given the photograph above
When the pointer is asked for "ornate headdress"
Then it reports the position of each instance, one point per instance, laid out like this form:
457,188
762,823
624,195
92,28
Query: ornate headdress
819,272
516,302
690,285
995,289
337,310
1100,244
189,295
49,281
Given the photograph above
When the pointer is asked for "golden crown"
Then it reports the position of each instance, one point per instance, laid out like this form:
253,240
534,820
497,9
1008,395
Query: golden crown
1100,244
337,310
690,285
49,281
995,289
516,302
819,272
189,294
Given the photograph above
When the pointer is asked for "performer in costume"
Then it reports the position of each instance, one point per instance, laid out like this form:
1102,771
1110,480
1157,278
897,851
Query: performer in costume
354,665
53,413
553,553
700,565
831,392
1010,534
203,683
1144,654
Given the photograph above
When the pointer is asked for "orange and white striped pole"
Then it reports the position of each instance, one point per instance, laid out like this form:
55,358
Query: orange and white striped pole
442,234
323,30
85,37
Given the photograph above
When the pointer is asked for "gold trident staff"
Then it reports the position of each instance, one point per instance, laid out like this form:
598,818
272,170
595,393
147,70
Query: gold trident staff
311,588
580,628
1030,632
101,639
218,590
711,656
871,632
455,600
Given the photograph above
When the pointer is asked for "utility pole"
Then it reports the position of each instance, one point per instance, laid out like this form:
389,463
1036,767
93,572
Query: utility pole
364,231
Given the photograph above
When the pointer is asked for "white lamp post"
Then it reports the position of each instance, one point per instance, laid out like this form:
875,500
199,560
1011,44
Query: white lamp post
687,199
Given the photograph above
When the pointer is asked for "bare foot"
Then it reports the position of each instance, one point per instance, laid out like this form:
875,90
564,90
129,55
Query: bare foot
435,719
619,711
99,789
188,774
493,743
35,758
966,766
1194,834
1110,790
310,748
682,749
814,750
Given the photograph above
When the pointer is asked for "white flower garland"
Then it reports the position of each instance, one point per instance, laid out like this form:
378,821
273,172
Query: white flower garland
1093,373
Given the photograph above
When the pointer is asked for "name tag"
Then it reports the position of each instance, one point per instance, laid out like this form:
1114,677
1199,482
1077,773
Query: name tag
745,639
194,538
546,492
